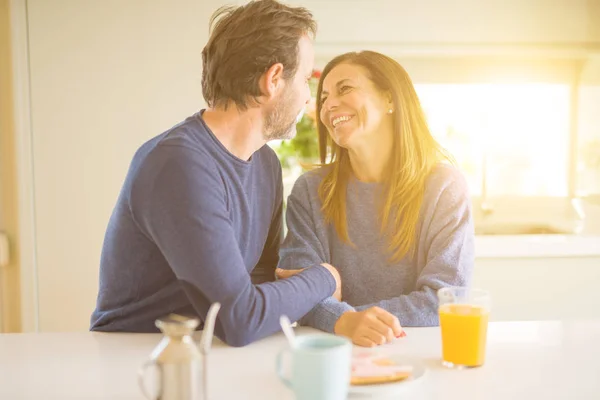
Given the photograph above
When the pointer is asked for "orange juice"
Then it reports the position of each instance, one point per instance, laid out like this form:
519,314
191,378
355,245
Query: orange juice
464,333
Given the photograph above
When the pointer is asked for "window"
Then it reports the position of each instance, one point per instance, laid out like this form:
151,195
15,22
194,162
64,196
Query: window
509,139
588,161
525,132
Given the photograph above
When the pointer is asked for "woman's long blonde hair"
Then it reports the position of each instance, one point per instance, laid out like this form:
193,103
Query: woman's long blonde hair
415,154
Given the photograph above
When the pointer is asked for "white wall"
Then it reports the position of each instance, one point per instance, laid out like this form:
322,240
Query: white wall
457,21
106,76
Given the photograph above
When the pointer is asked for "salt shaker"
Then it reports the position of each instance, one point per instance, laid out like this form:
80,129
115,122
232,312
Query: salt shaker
177,360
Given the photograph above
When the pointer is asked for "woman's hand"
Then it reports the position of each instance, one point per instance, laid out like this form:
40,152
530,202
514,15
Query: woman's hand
368,328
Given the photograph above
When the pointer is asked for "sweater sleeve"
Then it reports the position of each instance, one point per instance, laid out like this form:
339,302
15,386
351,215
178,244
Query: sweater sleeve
302,249
265,268
450,256
181,205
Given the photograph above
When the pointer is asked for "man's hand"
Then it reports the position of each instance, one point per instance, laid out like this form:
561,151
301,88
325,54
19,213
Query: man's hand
372,327
288,273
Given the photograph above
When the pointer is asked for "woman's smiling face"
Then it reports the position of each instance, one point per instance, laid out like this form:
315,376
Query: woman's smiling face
352,108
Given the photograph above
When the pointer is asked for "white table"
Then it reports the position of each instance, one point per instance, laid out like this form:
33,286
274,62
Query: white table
526,360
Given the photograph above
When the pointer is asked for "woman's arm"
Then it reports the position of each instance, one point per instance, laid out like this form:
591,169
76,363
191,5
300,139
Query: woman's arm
449,240
302,248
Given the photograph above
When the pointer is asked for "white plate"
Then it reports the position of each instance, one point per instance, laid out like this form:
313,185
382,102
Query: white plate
393,388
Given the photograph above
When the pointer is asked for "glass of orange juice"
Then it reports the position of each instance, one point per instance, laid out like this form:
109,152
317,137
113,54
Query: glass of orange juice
464,316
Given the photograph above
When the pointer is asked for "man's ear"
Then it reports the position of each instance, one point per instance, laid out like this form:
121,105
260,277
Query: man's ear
272,80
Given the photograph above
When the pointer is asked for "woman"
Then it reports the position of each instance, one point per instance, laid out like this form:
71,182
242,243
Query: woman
387,210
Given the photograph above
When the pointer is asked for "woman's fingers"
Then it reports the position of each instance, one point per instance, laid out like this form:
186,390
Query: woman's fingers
390,320
363,341
376,324
373,327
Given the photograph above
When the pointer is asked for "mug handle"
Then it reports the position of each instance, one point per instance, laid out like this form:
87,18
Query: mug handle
142,379
279,368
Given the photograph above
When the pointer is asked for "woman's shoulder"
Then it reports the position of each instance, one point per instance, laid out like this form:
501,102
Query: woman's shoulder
446,178
311,179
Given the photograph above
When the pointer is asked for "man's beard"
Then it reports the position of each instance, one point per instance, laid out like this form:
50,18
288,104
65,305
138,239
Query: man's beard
280,121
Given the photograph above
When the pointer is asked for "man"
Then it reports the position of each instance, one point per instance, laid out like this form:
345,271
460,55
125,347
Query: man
201,207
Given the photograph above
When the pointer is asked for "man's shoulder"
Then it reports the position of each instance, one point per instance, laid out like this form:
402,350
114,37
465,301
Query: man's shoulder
182,142
269,159
189,134
176,155
268,152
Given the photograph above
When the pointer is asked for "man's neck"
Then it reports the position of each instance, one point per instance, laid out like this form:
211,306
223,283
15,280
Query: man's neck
241,132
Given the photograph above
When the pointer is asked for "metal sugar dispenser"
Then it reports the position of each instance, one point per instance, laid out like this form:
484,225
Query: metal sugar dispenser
180,370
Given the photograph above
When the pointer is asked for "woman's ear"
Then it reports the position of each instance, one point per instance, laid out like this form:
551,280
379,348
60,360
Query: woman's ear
389,102
271,80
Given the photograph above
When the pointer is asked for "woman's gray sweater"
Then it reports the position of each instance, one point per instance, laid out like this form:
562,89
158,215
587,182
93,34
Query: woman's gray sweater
444,253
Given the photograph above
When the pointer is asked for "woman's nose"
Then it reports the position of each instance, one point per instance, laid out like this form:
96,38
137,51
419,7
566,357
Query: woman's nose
330,104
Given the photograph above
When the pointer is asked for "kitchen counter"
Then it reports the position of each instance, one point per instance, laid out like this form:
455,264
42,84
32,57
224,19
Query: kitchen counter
526,360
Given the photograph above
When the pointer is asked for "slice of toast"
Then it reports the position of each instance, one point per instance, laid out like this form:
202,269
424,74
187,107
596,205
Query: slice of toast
374,371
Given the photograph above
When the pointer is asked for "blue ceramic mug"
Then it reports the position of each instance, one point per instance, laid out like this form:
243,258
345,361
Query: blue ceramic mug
320,367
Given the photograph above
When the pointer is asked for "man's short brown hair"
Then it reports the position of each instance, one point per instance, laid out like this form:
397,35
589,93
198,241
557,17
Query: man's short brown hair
244,43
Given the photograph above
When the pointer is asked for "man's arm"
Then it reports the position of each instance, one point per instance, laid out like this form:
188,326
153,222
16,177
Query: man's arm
265,269
179,203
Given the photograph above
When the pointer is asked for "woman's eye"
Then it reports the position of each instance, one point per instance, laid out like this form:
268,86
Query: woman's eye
344,89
